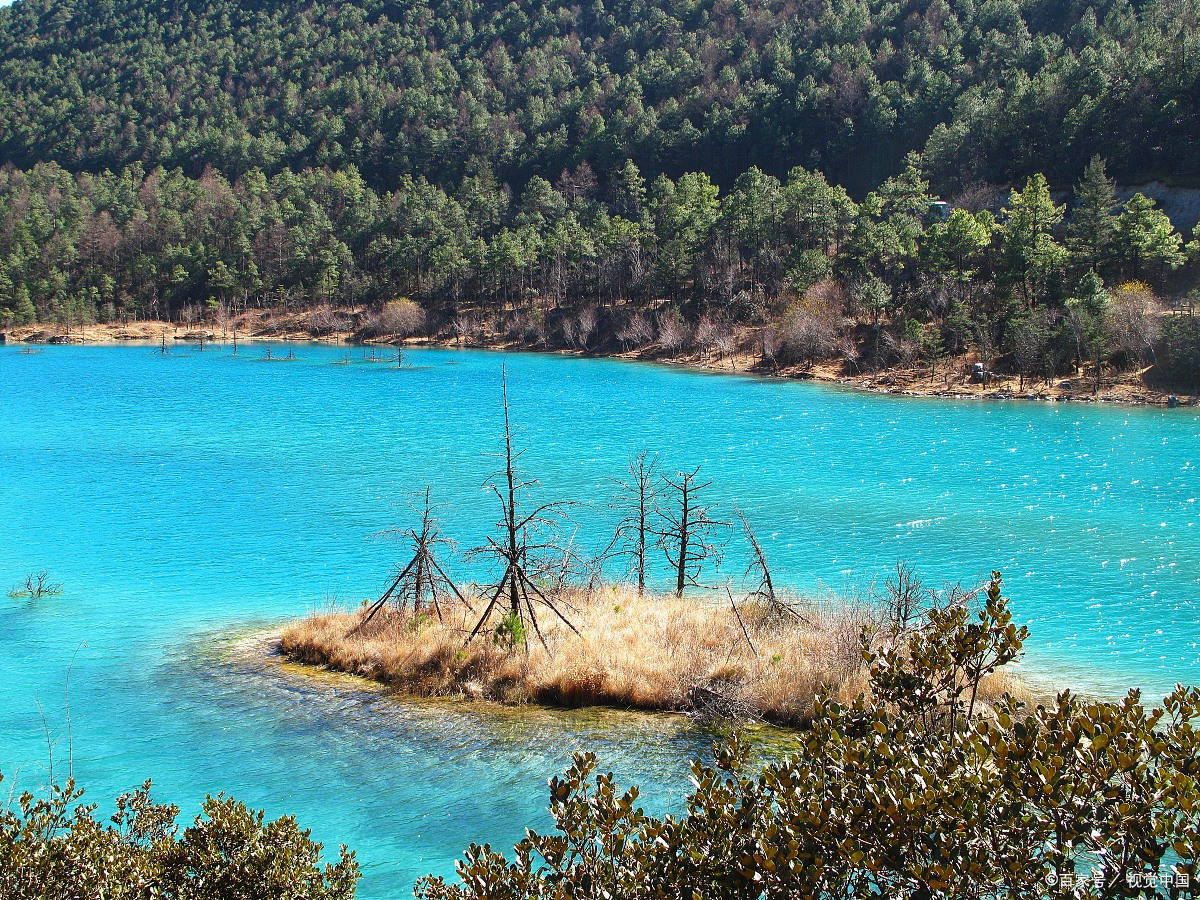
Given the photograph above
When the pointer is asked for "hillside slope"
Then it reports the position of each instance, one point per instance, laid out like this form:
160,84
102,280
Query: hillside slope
991,90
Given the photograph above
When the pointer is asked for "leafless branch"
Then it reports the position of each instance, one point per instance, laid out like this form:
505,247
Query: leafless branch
515,550
686,529
423,581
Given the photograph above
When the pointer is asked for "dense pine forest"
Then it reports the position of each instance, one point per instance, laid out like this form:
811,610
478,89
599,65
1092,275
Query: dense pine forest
615,176
992,90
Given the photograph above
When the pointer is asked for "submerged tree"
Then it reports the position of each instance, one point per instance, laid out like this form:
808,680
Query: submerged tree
518,548
638,495
36,586
686,530
423,582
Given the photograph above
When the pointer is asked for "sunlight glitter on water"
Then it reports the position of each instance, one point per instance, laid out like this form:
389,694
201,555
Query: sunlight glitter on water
185,496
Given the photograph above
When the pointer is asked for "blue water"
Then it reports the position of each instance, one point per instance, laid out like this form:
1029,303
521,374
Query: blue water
182,498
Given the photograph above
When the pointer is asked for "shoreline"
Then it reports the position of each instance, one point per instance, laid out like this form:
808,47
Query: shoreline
261,647
260,652
1126,389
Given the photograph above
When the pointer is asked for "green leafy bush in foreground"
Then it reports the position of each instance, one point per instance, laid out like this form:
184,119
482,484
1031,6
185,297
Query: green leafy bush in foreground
53,848
914,793
910,791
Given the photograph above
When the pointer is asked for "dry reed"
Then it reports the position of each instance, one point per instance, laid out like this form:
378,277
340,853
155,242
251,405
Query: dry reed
650,653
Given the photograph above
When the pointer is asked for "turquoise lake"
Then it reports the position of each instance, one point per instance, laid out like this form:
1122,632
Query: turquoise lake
184,500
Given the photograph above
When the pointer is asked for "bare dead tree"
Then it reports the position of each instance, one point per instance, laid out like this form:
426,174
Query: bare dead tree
518,549
581,327
765,590
638,500
636,332
706,334
686,531
905,601
460,326
422,582
673,333
726,343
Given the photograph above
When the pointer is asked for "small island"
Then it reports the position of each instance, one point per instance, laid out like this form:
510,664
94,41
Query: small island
541,633
625,650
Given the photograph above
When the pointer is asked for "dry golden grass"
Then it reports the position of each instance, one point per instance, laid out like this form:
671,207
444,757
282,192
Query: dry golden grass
651,653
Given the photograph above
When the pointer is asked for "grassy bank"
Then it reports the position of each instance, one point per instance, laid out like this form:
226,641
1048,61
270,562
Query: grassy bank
648,653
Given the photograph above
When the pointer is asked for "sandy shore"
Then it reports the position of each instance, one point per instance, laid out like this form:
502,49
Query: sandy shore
947,382
153,332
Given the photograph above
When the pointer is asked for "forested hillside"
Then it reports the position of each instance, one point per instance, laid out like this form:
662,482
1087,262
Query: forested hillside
990,90
625,176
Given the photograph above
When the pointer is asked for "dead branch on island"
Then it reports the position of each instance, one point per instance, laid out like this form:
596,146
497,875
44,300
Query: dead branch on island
422,581
758,658
519,549
686,530
765,589
638,501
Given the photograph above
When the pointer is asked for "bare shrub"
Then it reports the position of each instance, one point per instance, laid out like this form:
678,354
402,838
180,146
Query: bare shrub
749,306
897,348
398,318
725,342
472,328
527,328
460,327
829,293
976,196
673,333
324,319
535,334
1133,322
706,332
810,331
849,351
769,345
636,332
483,328
579,327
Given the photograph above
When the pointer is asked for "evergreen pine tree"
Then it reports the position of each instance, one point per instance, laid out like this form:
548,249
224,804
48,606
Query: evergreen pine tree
1145,236
23,311
1091,225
